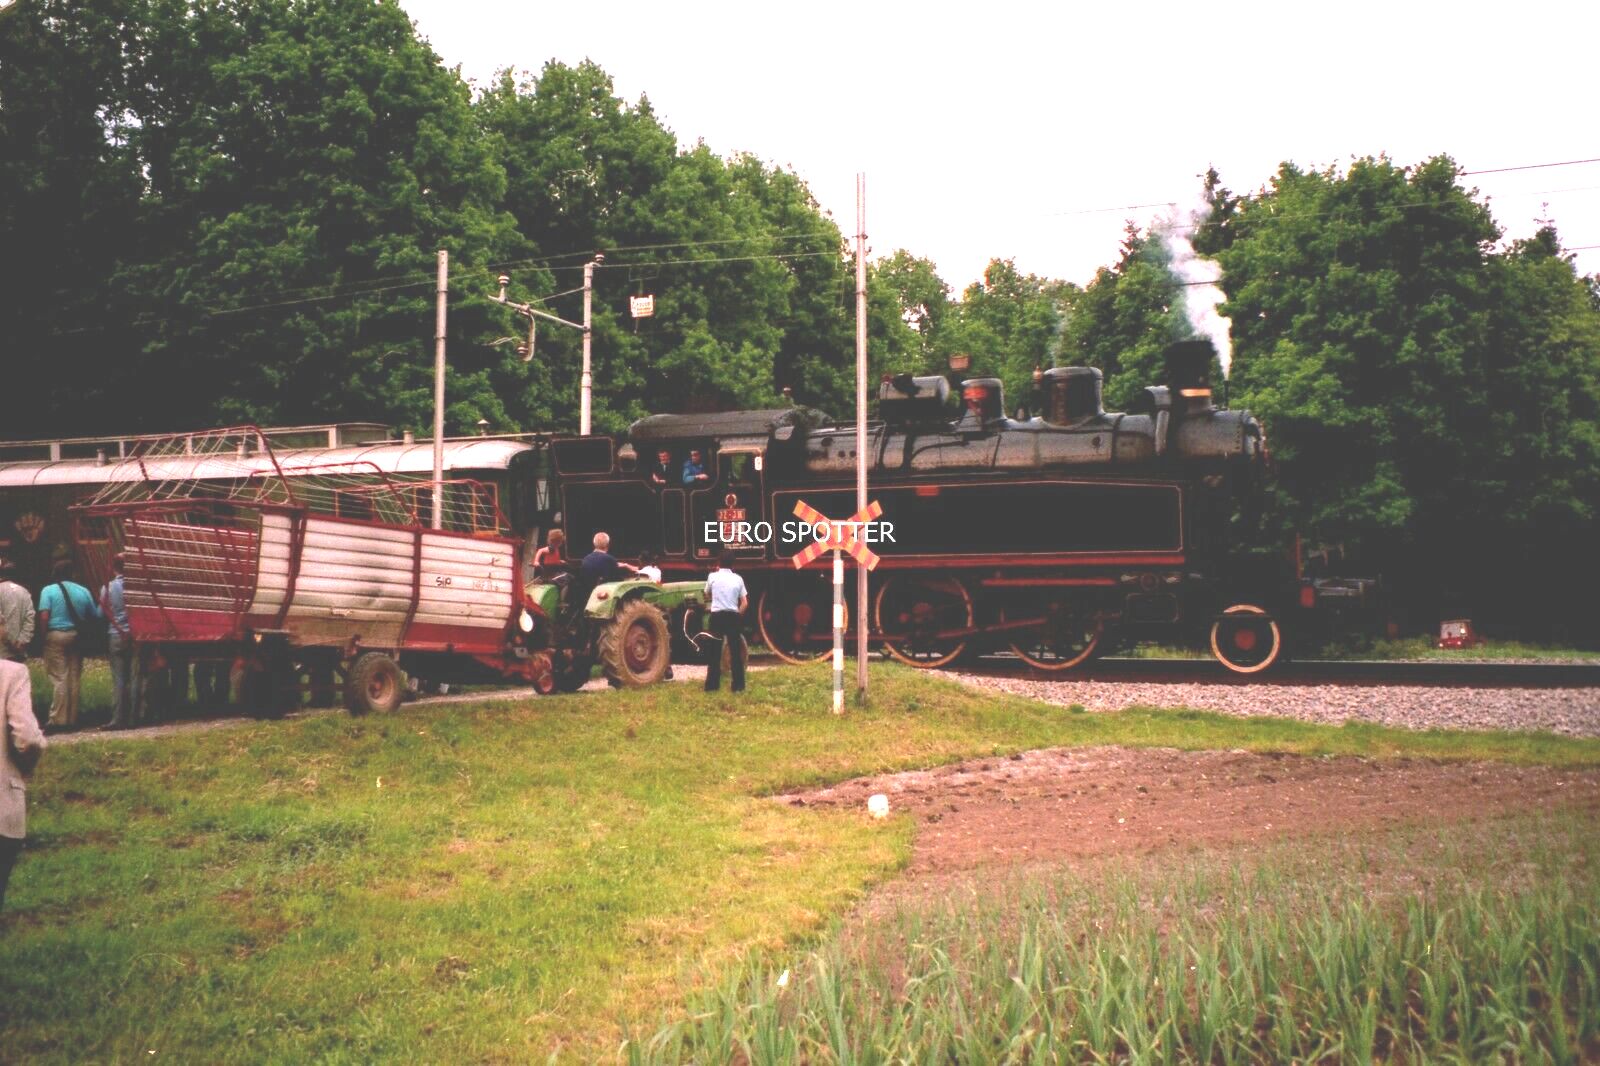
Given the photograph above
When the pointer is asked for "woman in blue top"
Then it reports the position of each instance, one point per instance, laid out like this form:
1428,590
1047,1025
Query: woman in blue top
64,607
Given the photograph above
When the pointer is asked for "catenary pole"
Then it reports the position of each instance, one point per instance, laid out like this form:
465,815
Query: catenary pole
862,617
438,388
587,380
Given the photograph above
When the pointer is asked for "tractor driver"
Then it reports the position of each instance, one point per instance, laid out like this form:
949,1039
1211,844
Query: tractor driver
598,567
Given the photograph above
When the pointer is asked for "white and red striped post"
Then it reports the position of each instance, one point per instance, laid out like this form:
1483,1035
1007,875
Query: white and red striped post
838,631
838,537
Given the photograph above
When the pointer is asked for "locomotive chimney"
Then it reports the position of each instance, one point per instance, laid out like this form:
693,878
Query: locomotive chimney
1188,374
1071,394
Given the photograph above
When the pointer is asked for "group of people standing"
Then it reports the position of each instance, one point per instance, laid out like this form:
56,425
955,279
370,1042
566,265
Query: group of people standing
68,615
725,591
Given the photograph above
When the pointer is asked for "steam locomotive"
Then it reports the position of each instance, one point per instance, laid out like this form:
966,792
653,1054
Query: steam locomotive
1057,536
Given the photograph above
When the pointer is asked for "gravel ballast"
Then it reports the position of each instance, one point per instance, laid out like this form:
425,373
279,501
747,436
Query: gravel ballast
1570,712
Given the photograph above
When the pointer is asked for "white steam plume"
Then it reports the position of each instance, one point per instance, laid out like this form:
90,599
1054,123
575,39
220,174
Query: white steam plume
1198,276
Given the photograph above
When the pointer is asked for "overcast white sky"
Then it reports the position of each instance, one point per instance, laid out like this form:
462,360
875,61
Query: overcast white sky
1007,130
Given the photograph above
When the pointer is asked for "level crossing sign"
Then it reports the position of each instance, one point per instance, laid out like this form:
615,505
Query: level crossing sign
843,535
842,538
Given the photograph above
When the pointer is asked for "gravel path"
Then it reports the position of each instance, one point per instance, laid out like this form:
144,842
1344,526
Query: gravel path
1568,711
681,672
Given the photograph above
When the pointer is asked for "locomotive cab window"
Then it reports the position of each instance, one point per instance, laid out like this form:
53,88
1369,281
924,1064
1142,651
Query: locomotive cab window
698,469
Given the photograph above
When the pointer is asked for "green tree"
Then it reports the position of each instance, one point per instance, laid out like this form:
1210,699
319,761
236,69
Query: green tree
1010,323
70,187
1124,319
908,306
1425,398
746,270
295,164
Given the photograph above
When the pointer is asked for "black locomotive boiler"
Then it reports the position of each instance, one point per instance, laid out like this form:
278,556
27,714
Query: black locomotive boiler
1056,536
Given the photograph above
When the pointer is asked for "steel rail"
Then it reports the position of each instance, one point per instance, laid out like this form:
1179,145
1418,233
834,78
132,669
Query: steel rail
1429,672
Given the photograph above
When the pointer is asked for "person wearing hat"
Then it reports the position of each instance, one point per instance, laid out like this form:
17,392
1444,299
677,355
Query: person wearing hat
119,645
16,614
64,607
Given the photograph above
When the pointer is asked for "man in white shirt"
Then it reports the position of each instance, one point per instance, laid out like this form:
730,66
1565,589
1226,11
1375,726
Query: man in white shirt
725,589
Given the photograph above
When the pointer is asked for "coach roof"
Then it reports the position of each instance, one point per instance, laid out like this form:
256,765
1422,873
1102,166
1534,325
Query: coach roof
722,424
392,458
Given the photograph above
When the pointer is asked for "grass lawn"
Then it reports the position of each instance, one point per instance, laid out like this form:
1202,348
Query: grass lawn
499,881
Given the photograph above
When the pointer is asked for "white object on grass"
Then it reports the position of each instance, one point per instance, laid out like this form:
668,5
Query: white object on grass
878,805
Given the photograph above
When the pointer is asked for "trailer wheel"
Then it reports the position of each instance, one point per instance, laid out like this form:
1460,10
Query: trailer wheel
374,684
636,647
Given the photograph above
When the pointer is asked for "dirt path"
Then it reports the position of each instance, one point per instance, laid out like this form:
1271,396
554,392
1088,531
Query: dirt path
1069,803
681,673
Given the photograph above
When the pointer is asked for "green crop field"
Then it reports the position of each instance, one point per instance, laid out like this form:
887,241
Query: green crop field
507,881
1482,944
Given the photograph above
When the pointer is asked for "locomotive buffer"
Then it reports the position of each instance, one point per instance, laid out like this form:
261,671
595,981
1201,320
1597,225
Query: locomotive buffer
841,537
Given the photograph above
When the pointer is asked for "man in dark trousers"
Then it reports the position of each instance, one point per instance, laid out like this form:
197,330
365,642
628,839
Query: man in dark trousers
725,589
119,646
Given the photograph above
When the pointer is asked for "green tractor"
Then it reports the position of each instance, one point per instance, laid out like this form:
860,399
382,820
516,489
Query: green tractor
626,626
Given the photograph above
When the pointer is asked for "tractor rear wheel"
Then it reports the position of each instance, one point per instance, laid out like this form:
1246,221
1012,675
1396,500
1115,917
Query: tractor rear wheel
374,684
636,647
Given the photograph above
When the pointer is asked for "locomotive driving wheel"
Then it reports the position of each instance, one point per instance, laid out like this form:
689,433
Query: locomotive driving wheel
1068,634
1246,639
795,616
917,617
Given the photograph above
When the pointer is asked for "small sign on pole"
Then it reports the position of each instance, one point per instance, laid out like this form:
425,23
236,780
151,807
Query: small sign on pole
642,306
842,538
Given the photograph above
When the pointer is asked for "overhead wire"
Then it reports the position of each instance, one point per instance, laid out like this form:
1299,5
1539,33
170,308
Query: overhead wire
373,286
1529,166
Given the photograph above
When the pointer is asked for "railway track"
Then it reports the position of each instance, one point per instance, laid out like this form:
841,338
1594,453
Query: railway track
1437,673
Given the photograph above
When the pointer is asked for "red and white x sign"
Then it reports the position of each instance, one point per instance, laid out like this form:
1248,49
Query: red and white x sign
834,535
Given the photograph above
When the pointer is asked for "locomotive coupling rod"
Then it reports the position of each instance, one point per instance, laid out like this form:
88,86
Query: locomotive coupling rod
972,631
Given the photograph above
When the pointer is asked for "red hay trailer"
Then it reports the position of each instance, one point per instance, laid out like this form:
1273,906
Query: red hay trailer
321,572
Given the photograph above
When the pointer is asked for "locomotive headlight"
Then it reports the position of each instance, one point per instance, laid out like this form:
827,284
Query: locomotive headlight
1173,578
1149,582
525,621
